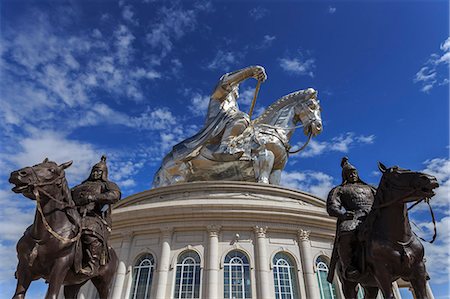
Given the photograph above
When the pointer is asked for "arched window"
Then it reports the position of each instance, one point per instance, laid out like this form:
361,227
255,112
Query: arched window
327,290
187,280
142,277
284,276
236,276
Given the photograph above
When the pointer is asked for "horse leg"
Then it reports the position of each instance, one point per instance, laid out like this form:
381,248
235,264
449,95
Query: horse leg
384,281
419,282
71,291
263,165
275,177
103,286
24,279
370,292
57,276
350,289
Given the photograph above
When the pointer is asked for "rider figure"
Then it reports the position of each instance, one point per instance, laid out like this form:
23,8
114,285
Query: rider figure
223,106
91,196
350,202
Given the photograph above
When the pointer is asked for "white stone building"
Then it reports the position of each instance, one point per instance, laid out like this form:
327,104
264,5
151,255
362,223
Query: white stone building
222,239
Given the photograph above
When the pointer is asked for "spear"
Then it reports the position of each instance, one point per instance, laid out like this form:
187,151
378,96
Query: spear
258,85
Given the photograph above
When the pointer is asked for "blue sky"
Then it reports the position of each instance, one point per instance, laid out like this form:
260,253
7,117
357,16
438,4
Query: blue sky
133,78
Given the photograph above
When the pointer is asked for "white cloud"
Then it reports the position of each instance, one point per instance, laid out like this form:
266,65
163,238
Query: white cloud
199,104
224,60
298,66
341,143
433,73
128,15
258,13
437,254
317,183
172,25
440,168
266,42
331,9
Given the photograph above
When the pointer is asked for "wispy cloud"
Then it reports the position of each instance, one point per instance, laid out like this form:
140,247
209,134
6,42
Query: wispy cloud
258,13
331,9
172,24
199,104
433,73
341,143
298,66
317,183
266,42
224,60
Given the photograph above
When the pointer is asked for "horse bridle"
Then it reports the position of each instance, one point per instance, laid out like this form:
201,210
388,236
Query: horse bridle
427,200
36,191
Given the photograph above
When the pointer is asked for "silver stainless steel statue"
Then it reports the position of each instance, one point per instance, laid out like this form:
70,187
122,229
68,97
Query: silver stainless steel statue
231,146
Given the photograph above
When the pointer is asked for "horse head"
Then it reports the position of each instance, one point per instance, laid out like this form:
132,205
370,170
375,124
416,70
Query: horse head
307,111
407,185
47,176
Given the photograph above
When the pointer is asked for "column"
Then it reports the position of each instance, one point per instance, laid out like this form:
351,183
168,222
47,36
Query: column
164,264
212,270
122,268
429,292
396,291
312,286
262,266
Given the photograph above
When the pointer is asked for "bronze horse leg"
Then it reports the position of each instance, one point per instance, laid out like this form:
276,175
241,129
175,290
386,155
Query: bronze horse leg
71,291
104,280
24,279
419,282
370,292
350,289
57,275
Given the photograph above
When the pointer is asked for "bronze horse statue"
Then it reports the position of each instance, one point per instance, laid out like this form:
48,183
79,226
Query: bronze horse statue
48,247
389,248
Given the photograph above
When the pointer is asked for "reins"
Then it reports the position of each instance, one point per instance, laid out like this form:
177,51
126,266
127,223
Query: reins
427,200
36,191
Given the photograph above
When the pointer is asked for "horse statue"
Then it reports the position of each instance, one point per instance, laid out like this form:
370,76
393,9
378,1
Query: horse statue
48,248
388,249
265,143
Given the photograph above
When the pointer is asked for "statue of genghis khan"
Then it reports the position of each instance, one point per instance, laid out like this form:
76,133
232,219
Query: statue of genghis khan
223,116
91,196
350,202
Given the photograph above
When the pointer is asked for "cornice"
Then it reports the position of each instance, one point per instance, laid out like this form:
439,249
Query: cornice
246,189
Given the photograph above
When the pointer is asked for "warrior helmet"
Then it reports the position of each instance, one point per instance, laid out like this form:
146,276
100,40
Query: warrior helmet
346,169
101,166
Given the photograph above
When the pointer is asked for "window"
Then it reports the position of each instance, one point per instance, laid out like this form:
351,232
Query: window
327,290
284,276
236,276
142,277
187,280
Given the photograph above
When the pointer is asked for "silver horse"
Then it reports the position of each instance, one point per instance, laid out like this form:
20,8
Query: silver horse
264,144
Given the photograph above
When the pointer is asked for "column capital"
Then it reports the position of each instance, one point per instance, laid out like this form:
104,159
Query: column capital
260,231
213,230
303,235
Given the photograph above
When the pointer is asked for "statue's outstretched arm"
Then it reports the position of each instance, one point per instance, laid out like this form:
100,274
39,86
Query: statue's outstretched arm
229,80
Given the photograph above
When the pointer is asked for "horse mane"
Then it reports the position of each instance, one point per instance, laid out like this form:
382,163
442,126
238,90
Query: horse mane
277,105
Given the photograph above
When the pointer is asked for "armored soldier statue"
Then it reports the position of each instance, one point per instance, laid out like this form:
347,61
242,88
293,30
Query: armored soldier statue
350,202
224,120
91,197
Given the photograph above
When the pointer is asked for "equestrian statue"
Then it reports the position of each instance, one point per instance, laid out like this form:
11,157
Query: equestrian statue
67,244
374,244
231,146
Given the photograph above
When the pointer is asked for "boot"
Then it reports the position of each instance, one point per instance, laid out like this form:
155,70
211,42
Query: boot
94,253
